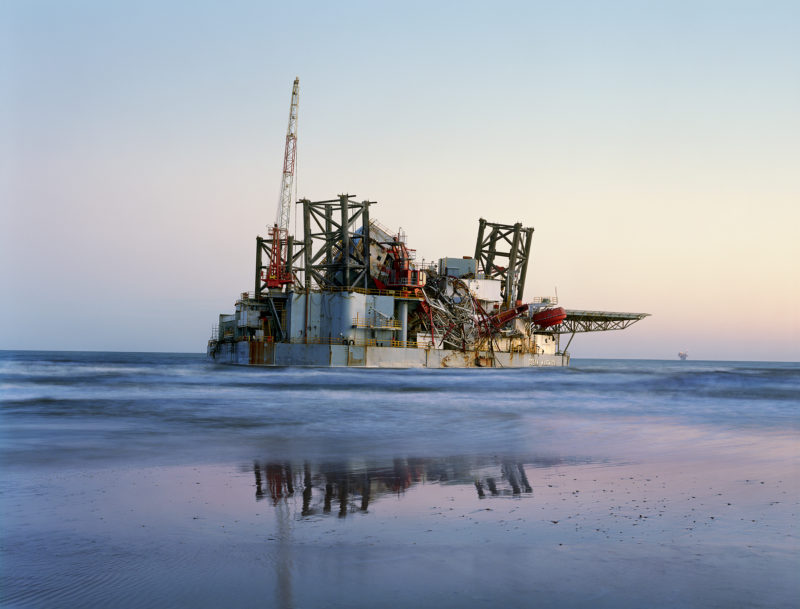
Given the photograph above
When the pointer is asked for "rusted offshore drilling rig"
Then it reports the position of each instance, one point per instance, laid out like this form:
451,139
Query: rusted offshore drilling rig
350,292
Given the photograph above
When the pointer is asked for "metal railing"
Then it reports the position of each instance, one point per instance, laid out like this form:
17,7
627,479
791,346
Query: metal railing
396,293
354,342
375,324
350,342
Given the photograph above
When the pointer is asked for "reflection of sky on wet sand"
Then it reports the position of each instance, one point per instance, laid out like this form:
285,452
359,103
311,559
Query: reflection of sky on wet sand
454,531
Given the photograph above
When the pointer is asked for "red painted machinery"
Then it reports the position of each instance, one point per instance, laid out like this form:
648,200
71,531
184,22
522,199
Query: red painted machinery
278,273
549,317
402,274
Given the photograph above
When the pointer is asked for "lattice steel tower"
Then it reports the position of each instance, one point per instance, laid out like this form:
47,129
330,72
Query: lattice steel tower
289,157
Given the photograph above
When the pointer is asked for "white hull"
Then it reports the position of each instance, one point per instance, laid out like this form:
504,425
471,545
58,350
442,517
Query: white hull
252,353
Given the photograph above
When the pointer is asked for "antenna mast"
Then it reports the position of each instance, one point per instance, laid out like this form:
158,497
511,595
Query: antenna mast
285,201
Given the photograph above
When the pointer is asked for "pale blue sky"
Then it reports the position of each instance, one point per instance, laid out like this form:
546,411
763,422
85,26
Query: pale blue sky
654,146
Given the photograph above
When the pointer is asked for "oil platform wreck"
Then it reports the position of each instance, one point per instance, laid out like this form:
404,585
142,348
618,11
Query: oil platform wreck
350,292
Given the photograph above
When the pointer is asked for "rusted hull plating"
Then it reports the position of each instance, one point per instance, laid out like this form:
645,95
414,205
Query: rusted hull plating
254,353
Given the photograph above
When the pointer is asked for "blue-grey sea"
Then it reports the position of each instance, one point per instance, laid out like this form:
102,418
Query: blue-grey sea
162,480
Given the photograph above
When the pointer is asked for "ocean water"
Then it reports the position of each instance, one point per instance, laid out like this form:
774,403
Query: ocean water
82,407
140,480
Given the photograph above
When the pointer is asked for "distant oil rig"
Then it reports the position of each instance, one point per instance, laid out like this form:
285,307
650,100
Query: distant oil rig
350,292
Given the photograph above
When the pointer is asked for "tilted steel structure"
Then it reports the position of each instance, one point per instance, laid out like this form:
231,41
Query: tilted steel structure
504,242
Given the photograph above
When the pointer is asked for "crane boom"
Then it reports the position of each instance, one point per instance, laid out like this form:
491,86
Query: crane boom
290,154
279,271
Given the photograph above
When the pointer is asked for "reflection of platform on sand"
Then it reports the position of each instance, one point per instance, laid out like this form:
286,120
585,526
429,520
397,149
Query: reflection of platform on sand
352,487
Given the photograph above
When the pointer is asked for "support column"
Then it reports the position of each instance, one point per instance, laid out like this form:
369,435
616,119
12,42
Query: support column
345,238
523,272
328,240
403,313
511,271
365,237
258,267
287,268
479,244
307,256
490,271
307,243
